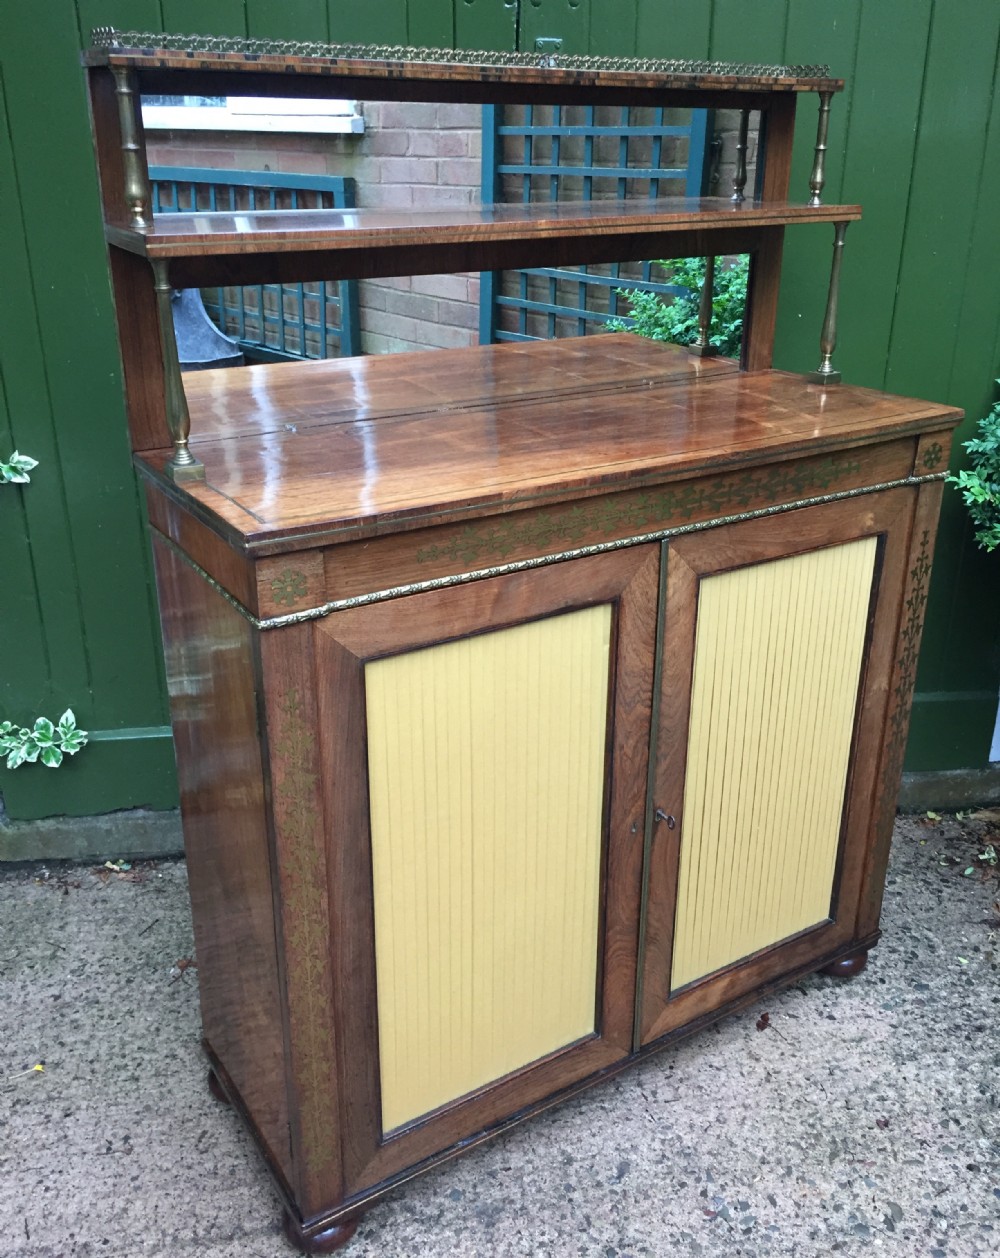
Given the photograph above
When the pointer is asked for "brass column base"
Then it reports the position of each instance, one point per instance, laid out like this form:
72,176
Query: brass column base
823,377
703,351
180,473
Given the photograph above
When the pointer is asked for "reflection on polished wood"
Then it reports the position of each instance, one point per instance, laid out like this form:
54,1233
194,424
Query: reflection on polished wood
352,446
295,231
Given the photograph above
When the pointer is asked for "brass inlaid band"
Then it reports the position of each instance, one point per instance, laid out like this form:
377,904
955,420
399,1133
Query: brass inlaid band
307,927
647,836
148,41
525,565
632,514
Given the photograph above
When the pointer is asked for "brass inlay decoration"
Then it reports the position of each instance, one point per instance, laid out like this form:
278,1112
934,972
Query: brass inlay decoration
902,693
526,565
136,189
502,536
817,177
740,174
933,455
289,586
826,373
183,466
486,770
306,926
149,42
649,824
778,657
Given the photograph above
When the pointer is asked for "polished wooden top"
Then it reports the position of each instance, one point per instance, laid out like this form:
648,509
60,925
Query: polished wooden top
370,72
299,231
354,447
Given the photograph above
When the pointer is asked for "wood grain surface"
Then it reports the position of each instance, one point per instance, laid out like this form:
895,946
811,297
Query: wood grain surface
408,459
209,652
219,233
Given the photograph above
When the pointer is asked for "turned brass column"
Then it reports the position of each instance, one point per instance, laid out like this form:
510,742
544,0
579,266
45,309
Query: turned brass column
702,344
183,466
740,176
826,373
817,177
136,183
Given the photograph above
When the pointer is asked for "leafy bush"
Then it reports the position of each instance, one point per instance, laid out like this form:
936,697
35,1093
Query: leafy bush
676,319
980,484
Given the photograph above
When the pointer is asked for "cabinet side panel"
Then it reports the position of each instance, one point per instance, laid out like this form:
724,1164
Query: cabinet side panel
209,657
778,656
486,764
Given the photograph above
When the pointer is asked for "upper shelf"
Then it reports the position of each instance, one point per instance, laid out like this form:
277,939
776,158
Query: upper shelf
365,72
378,242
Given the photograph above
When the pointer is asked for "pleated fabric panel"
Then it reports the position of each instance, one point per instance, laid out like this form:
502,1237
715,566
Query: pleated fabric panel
486,767
778,656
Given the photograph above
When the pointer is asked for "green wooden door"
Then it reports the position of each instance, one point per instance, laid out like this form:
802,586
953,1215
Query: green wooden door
915,138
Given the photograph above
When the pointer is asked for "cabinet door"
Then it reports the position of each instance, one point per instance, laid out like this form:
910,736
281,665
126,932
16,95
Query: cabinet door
778,644
485,758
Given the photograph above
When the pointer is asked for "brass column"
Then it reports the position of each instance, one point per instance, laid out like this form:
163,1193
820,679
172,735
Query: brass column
183,466
133,161
826,373
740,177
817,177
702,344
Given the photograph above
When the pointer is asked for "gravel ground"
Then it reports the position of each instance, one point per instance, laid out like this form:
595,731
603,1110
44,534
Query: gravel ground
862,1117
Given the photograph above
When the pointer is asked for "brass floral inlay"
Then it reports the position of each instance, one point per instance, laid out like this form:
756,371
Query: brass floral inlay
505,535
307,926
906,673
289,586
933,456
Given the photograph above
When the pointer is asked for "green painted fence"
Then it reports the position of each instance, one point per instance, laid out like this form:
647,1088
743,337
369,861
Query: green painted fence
916,139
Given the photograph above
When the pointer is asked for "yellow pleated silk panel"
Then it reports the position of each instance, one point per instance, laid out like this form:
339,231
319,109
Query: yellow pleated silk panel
778,655
486,766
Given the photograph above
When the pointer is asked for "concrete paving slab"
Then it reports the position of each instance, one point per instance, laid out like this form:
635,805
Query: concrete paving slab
863,1118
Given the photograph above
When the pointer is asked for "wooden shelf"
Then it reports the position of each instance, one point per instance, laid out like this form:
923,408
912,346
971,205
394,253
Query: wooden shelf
366,242
306,231
404,440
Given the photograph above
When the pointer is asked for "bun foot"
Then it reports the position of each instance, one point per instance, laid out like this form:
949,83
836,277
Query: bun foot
324,1242
846,967
216,1089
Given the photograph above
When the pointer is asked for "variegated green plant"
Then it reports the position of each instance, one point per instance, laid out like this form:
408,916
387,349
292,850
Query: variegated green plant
15,470
45,742
980,484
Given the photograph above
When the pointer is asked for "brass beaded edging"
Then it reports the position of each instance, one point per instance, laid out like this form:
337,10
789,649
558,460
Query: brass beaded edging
525,565
109,37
